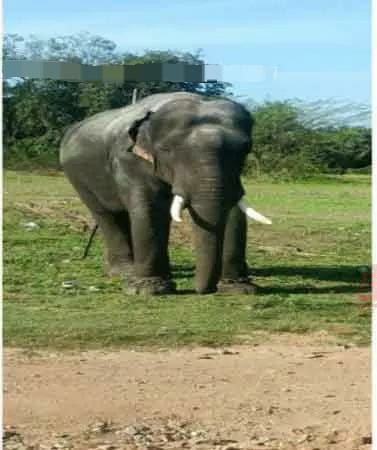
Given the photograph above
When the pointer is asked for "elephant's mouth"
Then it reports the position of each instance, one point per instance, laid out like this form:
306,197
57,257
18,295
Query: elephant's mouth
178,204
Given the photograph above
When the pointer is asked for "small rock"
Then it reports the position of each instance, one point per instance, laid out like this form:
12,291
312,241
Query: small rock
69,284
93,289
366,440
260,441
229,352
63,445
131,430
272,409
333,437
9,433
257,408
100,427
195,434
303,439
30,226
316,355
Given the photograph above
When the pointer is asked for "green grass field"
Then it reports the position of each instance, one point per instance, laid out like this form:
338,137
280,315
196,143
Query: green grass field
308,265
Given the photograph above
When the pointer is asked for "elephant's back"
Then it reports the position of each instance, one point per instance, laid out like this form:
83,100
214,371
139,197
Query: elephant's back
103,127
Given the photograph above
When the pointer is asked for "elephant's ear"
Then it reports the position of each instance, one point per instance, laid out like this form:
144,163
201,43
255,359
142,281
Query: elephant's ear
134,129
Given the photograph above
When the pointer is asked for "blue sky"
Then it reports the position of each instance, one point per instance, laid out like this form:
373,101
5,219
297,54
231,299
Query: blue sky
275,49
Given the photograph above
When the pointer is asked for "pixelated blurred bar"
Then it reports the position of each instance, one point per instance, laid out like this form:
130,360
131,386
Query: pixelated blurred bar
112,73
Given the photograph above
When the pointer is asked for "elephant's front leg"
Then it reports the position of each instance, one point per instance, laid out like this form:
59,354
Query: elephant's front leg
150,224
234,266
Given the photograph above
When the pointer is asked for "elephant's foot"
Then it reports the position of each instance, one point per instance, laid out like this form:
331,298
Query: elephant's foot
119,268
150,286
237,286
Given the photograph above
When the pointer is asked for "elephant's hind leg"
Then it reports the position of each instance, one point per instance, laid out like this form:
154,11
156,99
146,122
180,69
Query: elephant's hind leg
115,228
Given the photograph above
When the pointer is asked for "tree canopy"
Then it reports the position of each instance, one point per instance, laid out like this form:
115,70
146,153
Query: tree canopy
289,137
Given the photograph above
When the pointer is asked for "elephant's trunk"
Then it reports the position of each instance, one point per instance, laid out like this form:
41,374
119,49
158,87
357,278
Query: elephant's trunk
209,213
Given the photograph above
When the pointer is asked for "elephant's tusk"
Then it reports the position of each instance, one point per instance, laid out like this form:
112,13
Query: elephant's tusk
176,208
252,214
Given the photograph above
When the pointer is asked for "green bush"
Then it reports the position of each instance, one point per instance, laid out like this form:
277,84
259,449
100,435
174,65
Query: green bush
363,170
34,152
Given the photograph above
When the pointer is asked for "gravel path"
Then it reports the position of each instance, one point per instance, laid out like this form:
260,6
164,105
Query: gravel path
282,395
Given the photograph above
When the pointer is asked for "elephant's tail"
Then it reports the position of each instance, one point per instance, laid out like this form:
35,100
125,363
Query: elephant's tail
91,237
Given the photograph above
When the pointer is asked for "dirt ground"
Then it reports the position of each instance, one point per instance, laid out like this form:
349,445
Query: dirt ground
291,393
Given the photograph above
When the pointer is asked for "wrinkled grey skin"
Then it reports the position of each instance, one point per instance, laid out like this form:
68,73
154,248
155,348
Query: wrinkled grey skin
198,148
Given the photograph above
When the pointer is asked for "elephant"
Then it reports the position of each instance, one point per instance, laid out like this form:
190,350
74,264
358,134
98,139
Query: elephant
137,167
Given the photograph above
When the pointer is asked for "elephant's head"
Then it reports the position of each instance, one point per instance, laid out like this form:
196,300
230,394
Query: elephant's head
199,147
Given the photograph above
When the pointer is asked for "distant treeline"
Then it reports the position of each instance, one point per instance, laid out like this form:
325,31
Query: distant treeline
290,138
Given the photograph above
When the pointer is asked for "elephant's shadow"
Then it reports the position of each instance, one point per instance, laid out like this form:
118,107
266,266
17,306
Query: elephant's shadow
352,279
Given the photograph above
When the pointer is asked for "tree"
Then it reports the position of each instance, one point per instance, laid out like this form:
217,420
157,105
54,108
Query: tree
292,137
343,148
278,135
